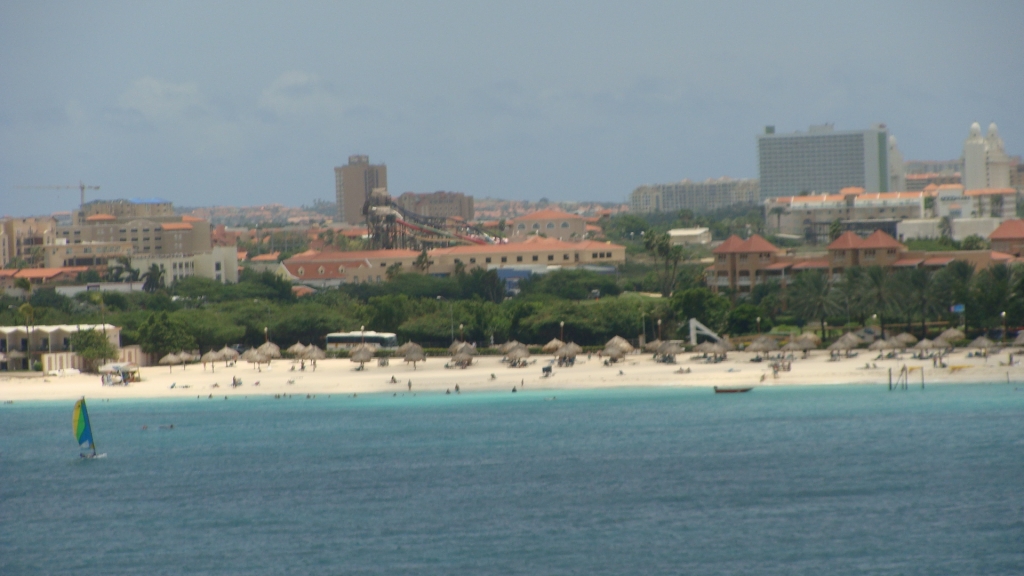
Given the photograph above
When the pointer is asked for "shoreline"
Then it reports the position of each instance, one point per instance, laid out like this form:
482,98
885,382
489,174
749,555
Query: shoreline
339,377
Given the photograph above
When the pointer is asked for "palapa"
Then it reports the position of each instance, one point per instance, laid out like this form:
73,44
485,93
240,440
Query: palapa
620,342
982,343
508,346
362,355
565,353
574,348
906,338
455,346
881,344
463,358
401,349
952,334
270,350
518,352
925,344
652,346
613,351
229,354
669,349
170,360
1019,340
313,352
810,336
552,346
414,353
296,349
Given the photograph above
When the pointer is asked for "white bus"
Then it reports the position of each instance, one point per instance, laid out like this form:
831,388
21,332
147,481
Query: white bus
348,340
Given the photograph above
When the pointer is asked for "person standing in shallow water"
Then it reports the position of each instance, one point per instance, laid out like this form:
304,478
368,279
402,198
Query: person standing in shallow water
410,385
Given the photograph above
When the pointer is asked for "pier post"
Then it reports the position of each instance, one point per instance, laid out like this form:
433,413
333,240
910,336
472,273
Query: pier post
890,379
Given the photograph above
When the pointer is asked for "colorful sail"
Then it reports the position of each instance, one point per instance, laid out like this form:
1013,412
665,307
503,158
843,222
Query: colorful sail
80,426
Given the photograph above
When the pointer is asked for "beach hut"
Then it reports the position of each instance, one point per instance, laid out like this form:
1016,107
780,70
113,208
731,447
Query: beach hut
170,360
552,346
414,353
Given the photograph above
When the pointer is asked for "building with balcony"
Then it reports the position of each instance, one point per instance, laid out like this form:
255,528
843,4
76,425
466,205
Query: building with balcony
549,222
353,183
698,197
438,204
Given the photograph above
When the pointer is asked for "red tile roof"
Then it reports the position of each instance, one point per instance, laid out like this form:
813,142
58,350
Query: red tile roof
938,261
176,226
272,257
187,218
734,245
990,192
846,241
100,218
879,239
779,266
531,244
908,262
1008,230
48,272
337,255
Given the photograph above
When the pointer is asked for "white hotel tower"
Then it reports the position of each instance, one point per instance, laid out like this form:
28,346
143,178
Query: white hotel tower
985,162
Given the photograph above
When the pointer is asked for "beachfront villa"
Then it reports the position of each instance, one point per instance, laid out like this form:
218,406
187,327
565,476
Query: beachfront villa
742,264
51,346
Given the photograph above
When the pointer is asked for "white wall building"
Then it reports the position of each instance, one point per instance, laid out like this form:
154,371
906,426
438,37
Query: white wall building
985,162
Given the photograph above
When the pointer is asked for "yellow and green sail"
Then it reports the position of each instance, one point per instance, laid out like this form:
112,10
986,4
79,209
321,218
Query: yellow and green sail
80,426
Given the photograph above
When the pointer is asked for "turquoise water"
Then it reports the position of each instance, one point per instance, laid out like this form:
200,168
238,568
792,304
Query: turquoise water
821,480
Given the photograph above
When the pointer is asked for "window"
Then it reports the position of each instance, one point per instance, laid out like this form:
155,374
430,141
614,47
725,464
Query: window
594,256
302,271
488,260
840,254
551,257
355,278
891,251
869,254
721,258
565,224
551,225
566,257
521,227
743,257
473,260
536,226
535,257
504,259
519,258
457,260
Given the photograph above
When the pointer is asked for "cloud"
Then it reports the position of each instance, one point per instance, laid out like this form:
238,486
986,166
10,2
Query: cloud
160,101
300,94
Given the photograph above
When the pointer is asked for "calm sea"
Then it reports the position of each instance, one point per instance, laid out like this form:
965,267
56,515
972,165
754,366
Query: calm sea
820,480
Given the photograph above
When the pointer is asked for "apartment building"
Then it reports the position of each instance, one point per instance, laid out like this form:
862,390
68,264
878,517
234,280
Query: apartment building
27,238
438,204
549,222
353,184
698,197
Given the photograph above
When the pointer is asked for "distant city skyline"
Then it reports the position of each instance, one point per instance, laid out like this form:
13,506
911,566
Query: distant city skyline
240,104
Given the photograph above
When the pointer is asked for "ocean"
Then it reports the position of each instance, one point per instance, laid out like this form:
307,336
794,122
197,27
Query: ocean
810,480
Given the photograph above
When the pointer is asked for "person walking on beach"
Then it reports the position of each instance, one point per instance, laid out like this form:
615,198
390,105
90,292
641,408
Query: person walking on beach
410,385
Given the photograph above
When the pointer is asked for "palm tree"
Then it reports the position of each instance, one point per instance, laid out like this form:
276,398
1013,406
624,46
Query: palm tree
946,228
954,284
809,298
153,279
28,317
24,285
880,292
778,211
422,262
848,293
924,295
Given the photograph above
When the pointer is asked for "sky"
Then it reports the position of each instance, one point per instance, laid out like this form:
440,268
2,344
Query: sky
243,103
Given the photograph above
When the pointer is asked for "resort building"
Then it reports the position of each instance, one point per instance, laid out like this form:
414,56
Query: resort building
824,161
985,163
742,264
689,236
698,197
1008,237
333,267
549,222
126,209
51,346
26,238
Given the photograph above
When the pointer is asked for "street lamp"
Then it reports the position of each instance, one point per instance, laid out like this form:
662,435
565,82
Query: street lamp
643,324
759,325
1003,316
561,330
451,314
659,328
825,335
266,334
461,337
362,334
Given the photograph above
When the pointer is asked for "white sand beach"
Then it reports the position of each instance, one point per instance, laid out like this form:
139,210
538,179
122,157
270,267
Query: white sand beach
340,377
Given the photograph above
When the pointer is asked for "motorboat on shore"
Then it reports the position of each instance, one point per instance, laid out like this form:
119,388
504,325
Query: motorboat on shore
732,390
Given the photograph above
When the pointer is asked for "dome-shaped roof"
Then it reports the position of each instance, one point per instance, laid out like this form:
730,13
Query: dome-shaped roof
993,131
975,130
892,140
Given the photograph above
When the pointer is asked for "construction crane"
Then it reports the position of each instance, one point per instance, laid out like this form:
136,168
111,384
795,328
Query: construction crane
81,186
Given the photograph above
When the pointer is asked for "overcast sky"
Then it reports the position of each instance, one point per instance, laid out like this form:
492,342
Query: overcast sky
239,103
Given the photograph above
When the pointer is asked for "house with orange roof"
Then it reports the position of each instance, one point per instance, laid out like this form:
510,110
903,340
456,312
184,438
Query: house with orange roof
550,222
330,268
532,251
1008,237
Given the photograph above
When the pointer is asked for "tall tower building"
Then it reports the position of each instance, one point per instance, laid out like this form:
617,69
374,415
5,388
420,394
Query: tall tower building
823,160
353,184
986,164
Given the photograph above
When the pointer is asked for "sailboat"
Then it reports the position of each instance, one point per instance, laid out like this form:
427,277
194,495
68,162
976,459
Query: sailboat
83,430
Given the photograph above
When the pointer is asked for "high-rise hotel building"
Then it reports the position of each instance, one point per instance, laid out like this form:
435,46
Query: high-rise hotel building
353,184
825,160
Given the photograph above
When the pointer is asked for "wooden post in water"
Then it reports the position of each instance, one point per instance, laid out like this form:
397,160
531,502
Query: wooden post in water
890,379
922,377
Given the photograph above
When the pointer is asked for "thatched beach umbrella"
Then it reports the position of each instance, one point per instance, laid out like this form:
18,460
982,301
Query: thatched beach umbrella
952,334
463,358
906,338
456,346
574,348
401,349
811,337
270,350
361,354
882,344
296,349
170,360
519,352
213,356
669,349
940,344
313,352
228,354
621,343
253,356
565,353
925,344
982,343
414,353
614,352
465,347
652,346
508,346
1019,340
555,344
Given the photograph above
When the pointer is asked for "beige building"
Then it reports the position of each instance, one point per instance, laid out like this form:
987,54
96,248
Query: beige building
353,184
438,204
689,236
218,263
535,250
126,209
148,236
64,253
810,216
27,238
699,197
334,267
549,222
